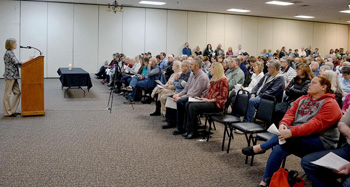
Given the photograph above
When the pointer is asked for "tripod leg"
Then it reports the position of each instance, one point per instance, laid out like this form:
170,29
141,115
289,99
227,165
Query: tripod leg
110,111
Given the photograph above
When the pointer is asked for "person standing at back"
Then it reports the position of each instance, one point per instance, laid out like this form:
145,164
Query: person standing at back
11,75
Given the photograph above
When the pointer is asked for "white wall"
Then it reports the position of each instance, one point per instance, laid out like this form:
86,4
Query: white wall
33,29
60,37
110,34
9,24
87,35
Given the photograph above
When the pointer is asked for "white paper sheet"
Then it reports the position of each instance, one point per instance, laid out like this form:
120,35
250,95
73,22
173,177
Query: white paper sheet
238,87
331,161
191,99
273,129
170,103
159,86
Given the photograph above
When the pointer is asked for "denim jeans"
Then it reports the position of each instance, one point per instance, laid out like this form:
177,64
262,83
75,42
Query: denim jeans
321,176
139,84
299,146
252,106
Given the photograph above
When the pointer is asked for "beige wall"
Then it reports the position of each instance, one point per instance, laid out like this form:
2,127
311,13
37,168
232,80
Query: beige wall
87,35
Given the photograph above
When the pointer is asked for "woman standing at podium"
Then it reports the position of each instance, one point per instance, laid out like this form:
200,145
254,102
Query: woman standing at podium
11,75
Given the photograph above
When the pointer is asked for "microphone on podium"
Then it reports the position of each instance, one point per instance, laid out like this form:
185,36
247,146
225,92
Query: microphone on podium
30,47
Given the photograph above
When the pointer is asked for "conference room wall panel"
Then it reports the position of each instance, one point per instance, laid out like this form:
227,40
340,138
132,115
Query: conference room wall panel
293,35
216,30
86,37
233,31
279,34
176,31
60,37
306,32
33,30
341,41
319,39
110,34
265,32
197,30
250,35
134,31
9,24
331,36
156,23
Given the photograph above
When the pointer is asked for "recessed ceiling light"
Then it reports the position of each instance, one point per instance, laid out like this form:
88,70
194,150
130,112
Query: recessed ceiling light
152,3
305,17
345,11
348,21
237,10
281,3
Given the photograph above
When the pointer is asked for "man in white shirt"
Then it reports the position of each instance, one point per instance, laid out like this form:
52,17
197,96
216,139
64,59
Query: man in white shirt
302,52
239,51
288,72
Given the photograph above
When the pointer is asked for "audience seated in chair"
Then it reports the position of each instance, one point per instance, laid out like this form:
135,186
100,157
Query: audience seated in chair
125,80
102,72
167,89
345,80
308,126
271,84
197,85
257,75
234,75
213,101
168,69
321,176
148,81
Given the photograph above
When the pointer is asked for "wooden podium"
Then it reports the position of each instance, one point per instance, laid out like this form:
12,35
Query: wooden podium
32,83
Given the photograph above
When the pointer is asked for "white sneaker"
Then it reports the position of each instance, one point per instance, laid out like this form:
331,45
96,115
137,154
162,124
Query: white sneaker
238,132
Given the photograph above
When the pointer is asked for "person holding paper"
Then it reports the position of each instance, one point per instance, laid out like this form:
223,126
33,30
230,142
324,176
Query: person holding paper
197,85
166,89
11,75
308,126
321,176
213,101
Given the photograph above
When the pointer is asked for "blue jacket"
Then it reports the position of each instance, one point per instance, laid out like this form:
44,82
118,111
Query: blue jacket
273,87
153,74
186,51
181,82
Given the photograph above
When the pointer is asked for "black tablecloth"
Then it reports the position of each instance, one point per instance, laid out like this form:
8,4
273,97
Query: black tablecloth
74,78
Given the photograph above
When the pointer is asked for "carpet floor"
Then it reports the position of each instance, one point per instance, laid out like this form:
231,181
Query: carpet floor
79,143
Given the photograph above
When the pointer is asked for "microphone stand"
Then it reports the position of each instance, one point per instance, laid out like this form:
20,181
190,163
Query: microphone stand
30,47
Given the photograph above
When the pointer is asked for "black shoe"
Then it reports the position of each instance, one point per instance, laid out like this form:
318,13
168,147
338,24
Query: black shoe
168,126
185,134
156,113
12,115
249,151
17,113
191,135
177,132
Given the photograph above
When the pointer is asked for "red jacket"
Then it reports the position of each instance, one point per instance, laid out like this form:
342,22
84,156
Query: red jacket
308,116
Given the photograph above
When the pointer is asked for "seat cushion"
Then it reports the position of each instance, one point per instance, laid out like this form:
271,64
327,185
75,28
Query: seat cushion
264,136
226,119
248,127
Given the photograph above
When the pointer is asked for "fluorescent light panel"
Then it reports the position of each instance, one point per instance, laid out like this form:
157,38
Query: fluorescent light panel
305,17
281,3
237,10
152,3
345,11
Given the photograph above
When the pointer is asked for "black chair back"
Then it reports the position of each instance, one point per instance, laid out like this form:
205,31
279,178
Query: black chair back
229,100
266,109
240,105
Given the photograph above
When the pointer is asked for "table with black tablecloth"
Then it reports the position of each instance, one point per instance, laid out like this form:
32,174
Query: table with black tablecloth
75,78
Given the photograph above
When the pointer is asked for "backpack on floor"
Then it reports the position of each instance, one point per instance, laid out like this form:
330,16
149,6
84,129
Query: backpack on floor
283,178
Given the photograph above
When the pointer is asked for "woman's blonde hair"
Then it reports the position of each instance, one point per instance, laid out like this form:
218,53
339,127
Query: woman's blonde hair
260,66
9,43
218,71
332,77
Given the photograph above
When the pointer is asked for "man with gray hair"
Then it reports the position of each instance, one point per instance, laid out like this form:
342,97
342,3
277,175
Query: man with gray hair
314,67
287,71
148,81
271,84
196,86
234,75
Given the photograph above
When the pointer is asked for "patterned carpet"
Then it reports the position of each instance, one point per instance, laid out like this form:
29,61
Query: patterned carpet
79,143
